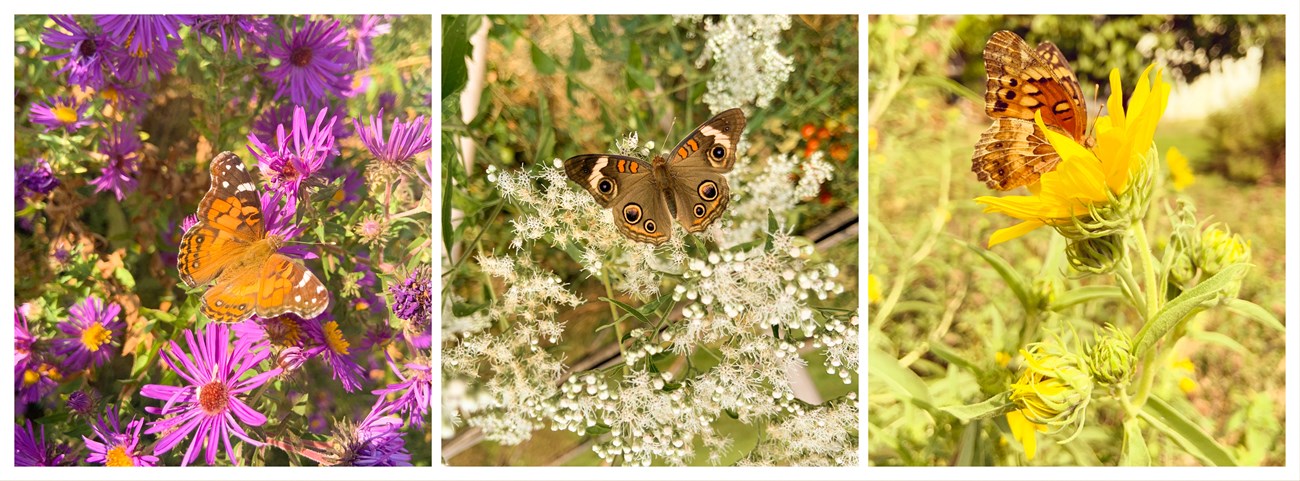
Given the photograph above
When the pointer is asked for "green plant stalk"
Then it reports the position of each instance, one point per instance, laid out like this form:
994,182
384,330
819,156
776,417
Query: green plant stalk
1148,362
613,313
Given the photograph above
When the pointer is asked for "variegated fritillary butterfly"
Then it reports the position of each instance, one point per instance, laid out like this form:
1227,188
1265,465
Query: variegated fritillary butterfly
230,245
1013,152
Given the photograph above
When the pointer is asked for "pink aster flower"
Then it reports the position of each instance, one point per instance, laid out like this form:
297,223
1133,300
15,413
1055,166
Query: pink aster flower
412,391
90,330
405,140
233,31
297,155
38,380
114,446
209,404
82,49
60,112
118,174
335,349
141,32
23,340
362,34
313,61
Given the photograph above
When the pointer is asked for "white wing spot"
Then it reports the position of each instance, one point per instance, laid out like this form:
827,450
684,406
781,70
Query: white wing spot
320,288
306,276
595,174
225,184
297,298
246,186
239,166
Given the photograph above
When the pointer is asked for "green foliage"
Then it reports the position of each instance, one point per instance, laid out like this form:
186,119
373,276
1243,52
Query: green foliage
1247,141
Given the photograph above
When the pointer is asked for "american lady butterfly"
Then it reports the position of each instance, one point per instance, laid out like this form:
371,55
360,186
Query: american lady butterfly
230,245
1021,81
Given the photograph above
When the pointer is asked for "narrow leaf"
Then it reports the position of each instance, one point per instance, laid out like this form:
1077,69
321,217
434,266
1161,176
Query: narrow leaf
1189,302
994,406
1187,434
1135,446
1019,286
901,380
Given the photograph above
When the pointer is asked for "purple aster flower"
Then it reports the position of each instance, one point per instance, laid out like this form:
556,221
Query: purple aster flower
350,191
413,298
60,112
334,348
118,175
23,340
83,50
387,101
38,381
32,451
281,332
412,390
32,180
289,164
90,330
123,97
137,33
82,402
405,140
142,65
375,441
116,446
209,405
360,37
234,30
313,61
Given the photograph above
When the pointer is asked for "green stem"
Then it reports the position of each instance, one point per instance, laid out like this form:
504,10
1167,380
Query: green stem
613,313
1148,362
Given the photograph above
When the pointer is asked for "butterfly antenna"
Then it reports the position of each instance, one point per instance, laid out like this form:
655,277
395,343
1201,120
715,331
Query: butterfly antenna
1092,126
668,134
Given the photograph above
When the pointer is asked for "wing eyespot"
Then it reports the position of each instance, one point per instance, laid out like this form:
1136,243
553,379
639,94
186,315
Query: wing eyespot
708,190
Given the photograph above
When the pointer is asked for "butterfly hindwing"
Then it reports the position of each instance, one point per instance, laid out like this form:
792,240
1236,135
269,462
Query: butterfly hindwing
1012,153
231,299
288,286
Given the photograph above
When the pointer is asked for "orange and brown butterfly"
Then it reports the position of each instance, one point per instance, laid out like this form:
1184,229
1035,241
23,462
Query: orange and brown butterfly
230,248
1013,152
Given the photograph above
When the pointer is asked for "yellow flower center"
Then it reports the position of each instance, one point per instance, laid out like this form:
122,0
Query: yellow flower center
111,94
95,336
283,331
65,113
30,377
334,338
117,457
52,372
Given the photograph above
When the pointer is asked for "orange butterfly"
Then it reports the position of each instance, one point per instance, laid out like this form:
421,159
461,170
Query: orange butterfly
1021,81
230,245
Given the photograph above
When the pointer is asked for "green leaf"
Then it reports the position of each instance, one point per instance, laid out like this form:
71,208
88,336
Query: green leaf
630,310
901,380
1187,434
1081,295
1189,302
124,277
544,63
991,407
1134,452
955,358
1019,286
455,48
597,429
578,61
1255,312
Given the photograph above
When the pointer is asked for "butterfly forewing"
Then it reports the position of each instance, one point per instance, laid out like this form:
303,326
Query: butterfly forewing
229,218
722,132
288,286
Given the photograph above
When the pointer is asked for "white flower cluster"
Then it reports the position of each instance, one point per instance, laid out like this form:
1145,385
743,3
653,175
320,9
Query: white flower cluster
781,184
747,67
513,379
824,435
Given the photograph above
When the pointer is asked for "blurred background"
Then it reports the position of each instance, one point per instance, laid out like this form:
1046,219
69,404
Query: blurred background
933,300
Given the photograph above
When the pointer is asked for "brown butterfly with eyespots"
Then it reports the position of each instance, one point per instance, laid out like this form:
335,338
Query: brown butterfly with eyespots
230,248
1014,152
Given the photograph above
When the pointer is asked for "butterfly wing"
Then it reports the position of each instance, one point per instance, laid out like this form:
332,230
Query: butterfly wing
288,286
715,141
230,218
232,298
1022,81
626,185
1014,152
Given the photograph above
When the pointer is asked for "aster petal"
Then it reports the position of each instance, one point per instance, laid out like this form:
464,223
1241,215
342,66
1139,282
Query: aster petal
246,414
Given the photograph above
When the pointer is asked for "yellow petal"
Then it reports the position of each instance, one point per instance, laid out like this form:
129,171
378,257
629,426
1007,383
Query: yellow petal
1006,234
1025,432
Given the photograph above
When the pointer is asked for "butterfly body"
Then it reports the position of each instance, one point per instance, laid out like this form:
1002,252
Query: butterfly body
1022,82
686,182
230,249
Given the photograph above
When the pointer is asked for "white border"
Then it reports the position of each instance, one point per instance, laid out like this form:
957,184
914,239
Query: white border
864,7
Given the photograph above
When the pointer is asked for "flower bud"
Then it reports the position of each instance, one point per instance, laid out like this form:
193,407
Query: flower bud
1109,358
1097,255
1054,388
